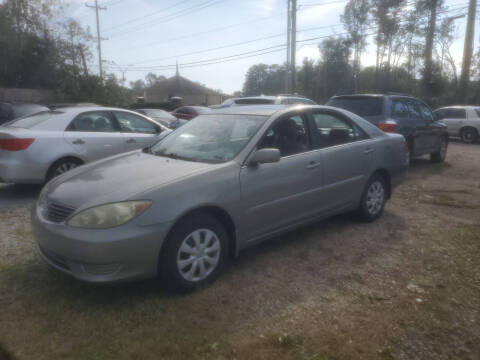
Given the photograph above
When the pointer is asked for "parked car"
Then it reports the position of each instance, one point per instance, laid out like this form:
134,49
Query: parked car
402,114
36,148
10,111
462,121
189,112
186,204
265,100
162,117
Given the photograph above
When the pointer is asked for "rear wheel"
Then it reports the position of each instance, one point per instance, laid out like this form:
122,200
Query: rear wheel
373,199
62,166
441,154
469,135
195,252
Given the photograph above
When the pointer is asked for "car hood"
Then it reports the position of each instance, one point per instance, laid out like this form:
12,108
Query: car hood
119,178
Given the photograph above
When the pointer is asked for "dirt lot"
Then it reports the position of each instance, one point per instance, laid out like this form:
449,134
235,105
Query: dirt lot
404,287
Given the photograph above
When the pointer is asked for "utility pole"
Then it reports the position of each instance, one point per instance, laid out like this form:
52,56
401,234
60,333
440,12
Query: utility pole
294,44
467,53
427,76
289,32
99,38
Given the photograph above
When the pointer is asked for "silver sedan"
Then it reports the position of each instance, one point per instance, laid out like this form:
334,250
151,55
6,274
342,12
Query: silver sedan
36,148
215,186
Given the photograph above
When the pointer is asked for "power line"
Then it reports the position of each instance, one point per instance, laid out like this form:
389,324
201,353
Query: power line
168,18
240,56
147,16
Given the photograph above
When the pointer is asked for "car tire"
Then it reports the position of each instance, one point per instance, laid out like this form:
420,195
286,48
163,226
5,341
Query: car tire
62,166
195,253
441,154
469,135
374,198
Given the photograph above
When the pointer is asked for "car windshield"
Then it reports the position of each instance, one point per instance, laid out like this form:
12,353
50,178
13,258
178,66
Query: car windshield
361,106
156,113
30,121
210,138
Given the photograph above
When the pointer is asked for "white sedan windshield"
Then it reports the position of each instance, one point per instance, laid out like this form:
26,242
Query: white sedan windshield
210,138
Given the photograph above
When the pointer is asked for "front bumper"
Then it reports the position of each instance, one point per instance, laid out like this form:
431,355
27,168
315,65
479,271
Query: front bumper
125,252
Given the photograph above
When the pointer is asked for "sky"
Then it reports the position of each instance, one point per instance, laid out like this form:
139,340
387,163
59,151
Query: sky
143,36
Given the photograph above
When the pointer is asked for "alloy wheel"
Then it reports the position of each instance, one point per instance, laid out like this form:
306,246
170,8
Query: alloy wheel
198,255
64,167
375,197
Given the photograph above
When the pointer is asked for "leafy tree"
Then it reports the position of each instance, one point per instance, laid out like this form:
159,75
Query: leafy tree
355,18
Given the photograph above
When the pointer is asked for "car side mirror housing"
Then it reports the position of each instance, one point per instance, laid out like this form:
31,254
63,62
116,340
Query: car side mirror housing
265,156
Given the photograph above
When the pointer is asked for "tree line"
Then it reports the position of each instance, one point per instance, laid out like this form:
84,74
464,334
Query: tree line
38,51
412,42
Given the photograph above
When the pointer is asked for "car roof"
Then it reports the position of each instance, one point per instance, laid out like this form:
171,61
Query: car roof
262,110
353,96
459,107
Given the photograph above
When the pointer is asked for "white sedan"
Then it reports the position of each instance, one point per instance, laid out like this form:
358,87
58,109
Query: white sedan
36,148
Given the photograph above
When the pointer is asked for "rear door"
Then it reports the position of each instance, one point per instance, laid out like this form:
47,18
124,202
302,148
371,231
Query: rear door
434,131
347,154
94,135
137,132
420,130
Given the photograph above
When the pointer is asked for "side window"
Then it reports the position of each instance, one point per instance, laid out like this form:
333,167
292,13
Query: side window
415,112
133,123
94,121
333,130
427,114
289,135
400,109
456,114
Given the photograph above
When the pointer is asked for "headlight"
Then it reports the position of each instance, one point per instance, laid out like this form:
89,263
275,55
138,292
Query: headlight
108,215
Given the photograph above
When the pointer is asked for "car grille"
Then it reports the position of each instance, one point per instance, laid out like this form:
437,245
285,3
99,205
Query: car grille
57,212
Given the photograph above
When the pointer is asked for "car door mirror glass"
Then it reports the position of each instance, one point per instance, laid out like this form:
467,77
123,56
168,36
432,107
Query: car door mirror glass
265,156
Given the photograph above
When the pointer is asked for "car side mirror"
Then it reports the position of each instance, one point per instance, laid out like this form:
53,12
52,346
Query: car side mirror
265,156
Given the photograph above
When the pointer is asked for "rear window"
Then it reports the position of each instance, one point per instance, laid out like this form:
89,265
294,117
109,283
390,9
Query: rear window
362,106
254,101
29,122
21,110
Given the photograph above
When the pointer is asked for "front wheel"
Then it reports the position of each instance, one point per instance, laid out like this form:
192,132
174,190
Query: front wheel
195,252
373,199
469,135
441,154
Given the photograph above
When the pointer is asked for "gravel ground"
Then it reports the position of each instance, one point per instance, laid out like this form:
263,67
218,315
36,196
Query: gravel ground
404,287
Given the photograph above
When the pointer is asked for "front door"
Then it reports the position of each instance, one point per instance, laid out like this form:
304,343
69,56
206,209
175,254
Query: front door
280,194
138,132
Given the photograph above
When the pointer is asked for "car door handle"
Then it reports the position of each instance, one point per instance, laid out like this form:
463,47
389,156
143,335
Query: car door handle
78,142
131,141
313,164
368,151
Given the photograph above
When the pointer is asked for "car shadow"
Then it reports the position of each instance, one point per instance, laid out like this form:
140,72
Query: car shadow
315,252
16,194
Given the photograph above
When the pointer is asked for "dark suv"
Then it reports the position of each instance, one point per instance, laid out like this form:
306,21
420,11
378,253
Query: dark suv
401,114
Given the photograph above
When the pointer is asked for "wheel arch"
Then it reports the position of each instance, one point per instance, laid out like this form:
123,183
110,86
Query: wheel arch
217,212
62,158
387,177
465,127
